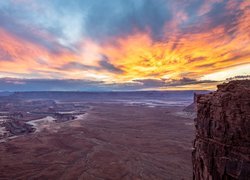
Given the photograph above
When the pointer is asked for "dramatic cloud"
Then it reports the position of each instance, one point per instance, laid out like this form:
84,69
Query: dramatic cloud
125,44
77,66
104,63
168,84
50,84
15,84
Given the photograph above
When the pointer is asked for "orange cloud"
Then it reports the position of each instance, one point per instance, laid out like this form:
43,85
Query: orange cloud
178,54
25,57
193,54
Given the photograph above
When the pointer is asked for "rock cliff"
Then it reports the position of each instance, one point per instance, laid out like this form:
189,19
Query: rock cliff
222,143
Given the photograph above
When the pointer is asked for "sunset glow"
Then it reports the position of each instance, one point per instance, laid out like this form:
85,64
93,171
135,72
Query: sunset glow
150,44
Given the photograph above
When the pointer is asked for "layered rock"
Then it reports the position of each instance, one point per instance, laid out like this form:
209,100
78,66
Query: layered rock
16,127
222,143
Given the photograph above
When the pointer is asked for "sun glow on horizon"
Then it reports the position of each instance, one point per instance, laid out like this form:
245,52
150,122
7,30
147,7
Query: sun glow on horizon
191,48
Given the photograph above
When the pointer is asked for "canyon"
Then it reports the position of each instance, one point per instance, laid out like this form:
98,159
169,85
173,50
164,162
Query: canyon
81,135
127,135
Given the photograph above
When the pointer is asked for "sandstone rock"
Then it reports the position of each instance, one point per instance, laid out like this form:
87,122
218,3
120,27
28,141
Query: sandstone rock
222,143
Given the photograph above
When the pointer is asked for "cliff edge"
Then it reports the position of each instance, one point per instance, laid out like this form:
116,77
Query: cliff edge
222,142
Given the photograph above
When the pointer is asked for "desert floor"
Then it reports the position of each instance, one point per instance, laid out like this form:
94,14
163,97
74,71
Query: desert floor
112,141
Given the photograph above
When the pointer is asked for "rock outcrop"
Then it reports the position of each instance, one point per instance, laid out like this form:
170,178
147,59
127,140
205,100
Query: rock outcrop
16,127
222,143
192,108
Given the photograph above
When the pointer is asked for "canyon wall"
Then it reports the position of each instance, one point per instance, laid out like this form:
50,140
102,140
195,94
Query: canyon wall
222,142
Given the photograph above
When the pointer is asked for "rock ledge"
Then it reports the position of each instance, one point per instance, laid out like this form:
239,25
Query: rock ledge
222,143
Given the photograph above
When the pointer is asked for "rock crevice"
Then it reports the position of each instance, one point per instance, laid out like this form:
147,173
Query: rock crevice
222,142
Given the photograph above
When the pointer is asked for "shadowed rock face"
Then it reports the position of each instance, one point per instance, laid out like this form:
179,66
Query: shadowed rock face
222,143
18,127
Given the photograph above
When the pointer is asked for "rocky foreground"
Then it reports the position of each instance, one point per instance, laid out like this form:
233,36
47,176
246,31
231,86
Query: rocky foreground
222,143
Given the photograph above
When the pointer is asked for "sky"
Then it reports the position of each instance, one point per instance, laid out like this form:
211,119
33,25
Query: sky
116,45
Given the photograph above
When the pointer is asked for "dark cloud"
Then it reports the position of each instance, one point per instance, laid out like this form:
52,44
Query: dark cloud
77,66
218,15
105,64
238,77
99,19
229,17
193,6
15,84
119,17
70,21
157,83
150,82
187,81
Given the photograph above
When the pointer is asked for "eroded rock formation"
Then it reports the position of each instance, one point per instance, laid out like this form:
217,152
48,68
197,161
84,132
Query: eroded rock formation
17,127
222,143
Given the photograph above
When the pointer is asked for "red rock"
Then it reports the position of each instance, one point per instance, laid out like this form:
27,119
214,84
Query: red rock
222,143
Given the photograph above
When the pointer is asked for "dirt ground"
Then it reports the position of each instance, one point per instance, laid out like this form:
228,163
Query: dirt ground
112,141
